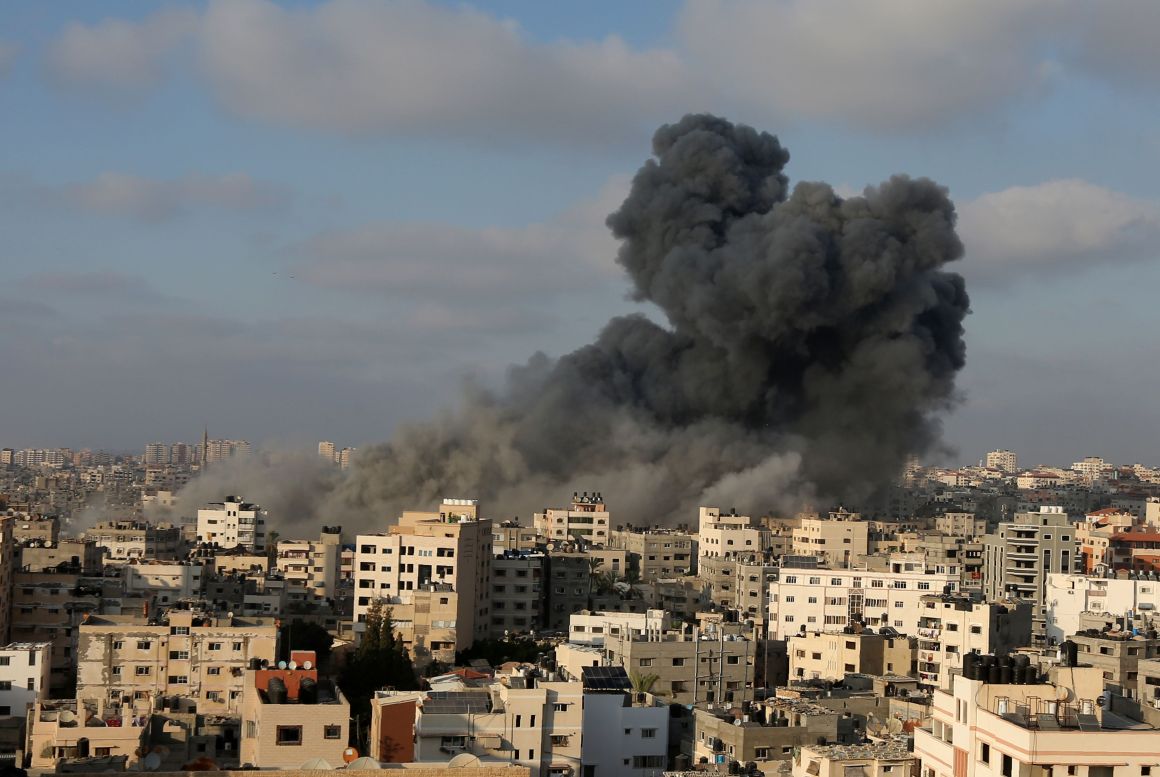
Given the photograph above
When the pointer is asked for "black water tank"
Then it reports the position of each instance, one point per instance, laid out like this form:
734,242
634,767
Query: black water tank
1006,676
980,672
1070,653
1004,660
276,691
969,661
1021,660
1030,674
993,674
308,691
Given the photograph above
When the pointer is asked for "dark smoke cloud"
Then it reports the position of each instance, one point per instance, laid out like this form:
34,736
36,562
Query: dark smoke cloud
811,342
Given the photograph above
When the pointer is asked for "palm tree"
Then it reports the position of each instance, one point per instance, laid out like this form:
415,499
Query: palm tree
642,683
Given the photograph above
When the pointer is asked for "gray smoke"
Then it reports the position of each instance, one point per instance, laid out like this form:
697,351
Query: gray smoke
811,342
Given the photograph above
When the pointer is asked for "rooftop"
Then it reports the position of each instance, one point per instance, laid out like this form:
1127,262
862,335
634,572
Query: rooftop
896,748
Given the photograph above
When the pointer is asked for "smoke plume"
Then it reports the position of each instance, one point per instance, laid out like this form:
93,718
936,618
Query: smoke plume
810,342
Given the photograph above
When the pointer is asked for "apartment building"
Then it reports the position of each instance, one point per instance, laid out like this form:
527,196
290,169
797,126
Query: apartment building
730,534
290,717
807,600
585,519
1117,655
1003,460
882,758
48,556
739,582
432,570
1020,554
984,729
766,734
829,656
702,666
310,567
36,528
24,676
965,525
163,583
195,656
510,535
123,540
232,523
839,538
655,554
48,607
518,597
952,626
594,627
1073,599
569,587
7,556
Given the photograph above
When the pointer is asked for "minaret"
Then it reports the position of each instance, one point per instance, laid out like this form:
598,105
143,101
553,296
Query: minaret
205,446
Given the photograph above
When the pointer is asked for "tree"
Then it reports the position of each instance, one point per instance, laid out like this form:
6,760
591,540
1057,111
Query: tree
642,683
381,661
304,635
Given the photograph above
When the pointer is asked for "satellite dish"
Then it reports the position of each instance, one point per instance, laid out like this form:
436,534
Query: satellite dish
230,615
48,543
292,665
152,762
307,664
281,664
464,761
316,765
363,764
349,754
67,716
894,726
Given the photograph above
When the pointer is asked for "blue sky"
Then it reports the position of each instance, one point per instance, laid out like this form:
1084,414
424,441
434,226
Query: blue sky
314,220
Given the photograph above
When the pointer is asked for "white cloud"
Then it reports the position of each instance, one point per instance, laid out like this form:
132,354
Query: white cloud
1055,227
572,251
414,67
121,194
119,57
888,64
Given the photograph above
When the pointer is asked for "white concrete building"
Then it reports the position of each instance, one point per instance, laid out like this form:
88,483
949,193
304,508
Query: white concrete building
829,599
167,581
1069,595
232,523
24,676
951,627
624,739
591,628
839,538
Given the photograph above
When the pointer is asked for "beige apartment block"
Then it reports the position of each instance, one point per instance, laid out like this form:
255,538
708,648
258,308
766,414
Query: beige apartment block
739,583
729,534
839,538
952,626
48,607
289,717
310,567
965,525
511,536
124,540
7,555
982,729
432,571
195,656
62,728
232,523
585,519
656,554
828,656
708,666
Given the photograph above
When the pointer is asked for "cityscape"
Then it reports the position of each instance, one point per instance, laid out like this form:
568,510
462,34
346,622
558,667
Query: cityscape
494,388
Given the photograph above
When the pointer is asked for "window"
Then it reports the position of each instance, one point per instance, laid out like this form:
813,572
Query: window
985,753
648,733
646,662
143,644
214,670
678,662
5,685
178,655
559,707
237,646
215,646
5,660
289,735
176,679
143,670
648,762
1008,766
116,671
179,630
332,732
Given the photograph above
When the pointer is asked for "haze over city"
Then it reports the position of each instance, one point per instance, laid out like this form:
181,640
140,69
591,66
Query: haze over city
315,220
